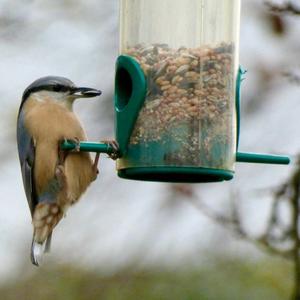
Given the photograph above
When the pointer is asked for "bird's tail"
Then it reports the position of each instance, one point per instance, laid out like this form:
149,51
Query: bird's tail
45,218
48,243
38,249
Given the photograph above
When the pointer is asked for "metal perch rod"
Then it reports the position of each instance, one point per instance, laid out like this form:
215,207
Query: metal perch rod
89,147
262,158
240,156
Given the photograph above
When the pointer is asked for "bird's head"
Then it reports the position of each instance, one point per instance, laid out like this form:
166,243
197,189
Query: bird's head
59,89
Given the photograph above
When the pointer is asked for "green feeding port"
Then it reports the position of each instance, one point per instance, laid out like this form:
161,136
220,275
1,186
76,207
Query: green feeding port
124,88
130,92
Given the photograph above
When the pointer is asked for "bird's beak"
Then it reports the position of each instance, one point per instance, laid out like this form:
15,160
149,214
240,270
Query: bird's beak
84,92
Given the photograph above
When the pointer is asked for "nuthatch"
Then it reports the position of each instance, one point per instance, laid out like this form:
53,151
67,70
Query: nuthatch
53,179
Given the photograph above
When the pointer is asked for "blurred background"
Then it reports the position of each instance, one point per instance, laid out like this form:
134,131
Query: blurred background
138,240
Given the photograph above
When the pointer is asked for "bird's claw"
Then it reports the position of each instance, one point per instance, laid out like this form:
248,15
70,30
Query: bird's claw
115,146
62,153
75,141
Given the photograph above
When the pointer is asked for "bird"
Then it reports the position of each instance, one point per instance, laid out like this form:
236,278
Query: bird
53,179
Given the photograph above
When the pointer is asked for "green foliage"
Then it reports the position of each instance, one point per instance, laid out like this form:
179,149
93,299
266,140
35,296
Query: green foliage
225,280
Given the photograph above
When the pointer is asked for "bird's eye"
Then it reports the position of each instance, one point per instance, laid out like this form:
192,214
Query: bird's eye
57,88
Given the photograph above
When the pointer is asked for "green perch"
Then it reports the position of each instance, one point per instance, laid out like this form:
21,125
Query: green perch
89,147
262,158
240,156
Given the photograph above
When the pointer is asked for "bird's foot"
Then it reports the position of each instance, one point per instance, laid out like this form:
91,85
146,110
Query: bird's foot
62,154
75,141
115,146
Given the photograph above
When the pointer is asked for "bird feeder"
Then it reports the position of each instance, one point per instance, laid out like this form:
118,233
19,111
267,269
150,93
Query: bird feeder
177,90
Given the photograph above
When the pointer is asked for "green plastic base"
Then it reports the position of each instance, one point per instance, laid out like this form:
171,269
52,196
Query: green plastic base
176,174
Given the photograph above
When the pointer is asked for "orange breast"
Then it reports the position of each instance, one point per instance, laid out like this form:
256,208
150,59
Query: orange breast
48,123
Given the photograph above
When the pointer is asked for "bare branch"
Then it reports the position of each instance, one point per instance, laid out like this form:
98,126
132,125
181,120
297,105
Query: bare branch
288,7
279,238
264,244
237,229
292,77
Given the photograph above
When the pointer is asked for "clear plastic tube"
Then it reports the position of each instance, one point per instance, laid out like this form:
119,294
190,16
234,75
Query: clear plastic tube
188,51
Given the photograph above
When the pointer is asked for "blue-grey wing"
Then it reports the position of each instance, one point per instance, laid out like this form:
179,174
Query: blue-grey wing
26,151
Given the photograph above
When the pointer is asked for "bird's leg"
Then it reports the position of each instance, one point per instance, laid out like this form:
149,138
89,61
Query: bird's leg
62,154
61,177
95,166
114,144
113,155
76,141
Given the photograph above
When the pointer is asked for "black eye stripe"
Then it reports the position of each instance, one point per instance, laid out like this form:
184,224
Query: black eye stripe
56,88
59,88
